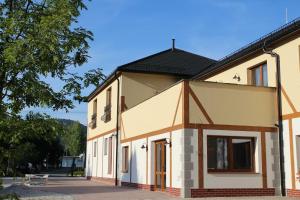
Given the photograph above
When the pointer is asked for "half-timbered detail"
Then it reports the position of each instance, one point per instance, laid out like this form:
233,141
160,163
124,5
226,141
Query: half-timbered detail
195,127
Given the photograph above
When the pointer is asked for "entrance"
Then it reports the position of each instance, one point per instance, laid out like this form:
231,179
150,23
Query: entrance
160,165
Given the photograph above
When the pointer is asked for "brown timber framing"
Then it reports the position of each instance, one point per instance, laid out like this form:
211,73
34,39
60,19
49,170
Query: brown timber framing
185,100
203,126
291,136
288,100
201,107
200,158
102,134
264,159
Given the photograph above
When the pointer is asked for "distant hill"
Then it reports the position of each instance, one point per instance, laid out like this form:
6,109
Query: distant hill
67,122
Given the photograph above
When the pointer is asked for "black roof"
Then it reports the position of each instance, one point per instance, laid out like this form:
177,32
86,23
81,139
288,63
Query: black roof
270,39
171,61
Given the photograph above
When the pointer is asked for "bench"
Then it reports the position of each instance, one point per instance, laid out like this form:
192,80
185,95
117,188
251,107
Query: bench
36,179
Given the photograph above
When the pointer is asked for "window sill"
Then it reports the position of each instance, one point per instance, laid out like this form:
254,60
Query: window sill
231,172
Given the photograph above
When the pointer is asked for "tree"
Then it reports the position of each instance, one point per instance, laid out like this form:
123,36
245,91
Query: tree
39,39
71,139
32,139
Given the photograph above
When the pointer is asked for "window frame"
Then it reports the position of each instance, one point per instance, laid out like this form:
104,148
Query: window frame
108,96
230,154
125,159
251,73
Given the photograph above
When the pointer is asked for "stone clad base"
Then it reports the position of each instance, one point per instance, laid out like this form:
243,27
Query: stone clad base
293,193
234,192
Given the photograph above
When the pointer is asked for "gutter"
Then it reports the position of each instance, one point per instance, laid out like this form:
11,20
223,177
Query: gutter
117,128
279,108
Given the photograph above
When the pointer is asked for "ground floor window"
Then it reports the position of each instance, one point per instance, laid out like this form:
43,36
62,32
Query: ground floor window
230,153
298,153
110,155
125,159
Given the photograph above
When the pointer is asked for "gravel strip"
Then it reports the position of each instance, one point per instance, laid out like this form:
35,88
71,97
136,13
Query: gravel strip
27,193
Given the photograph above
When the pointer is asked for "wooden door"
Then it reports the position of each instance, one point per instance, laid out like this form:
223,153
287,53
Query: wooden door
160,165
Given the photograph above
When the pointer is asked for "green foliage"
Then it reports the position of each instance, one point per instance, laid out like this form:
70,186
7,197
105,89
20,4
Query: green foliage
28,140
9,197
74,138
41,39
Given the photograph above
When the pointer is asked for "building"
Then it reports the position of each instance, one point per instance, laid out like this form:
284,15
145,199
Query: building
196,127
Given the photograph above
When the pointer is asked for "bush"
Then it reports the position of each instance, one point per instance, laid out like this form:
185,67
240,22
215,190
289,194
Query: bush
9,197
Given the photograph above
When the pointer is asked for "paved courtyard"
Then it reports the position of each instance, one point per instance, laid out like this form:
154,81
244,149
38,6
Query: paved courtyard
81,189
63,188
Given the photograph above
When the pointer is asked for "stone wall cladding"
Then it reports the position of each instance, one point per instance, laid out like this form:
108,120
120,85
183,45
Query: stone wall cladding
188,163
234,192
293,193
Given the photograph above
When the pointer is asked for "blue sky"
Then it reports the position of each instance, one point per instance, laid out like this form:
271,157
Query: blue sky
126,30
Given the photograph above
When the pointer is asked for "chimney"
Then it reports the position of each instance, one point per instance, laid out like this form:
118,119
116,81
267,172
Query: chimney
173,44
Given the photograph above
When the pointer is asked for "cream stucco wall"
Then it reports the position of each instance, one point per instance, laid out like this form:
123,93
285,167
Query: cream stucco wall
153,114
233,104
101,102
136,87
290,72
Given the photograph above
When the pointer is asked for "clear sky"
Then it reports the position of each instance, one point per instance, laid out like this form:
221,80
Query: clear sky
126,30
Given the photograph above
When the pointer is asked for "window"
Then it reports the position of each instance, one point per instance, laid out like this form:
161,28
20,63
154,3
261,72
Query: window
230,153
94,116
125,159
108,96
107,109
95,149
259,75
299,56
105,146
110,155
298,153
95,106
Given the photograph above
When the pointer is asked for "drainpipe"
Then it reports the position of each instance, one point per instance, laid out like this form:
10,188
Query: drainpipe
279,108
117,129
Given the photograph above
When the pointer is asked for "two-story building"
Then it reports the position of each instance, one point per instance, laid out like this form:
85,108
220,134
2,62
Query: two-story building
195,127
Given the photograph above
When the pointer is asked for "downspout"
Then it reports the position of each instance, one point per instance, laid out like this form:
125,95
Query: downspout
117,129
279,108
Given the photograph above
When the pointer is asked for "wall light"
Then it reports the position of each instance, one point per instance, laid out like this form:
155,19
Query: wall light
144,146
237,77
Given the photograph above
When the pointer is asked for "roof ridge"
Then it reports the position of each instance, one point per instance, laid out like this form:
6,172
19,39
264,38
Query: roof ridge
141,59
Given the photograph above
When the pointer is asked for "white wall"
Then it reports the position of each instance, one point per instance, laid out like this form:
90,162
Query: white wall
89,160
98,166
296,134
138,157
233,180
287,155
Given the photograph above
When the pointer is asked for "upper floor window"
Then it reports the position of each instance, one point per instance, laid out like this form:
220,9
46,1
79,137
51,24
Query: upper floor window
259,75
107,109
93,123
108,97
95,106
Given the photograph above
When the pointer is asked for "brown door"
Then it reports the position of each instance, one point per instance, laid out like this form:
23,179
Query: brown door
160,165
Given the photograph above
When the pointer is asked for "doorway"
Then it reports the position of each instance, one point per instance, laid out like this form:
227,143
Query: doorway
160,165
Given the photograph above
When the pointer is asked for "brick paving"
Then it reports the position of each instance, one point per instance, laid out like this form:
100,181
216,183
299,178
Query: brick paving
81,189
